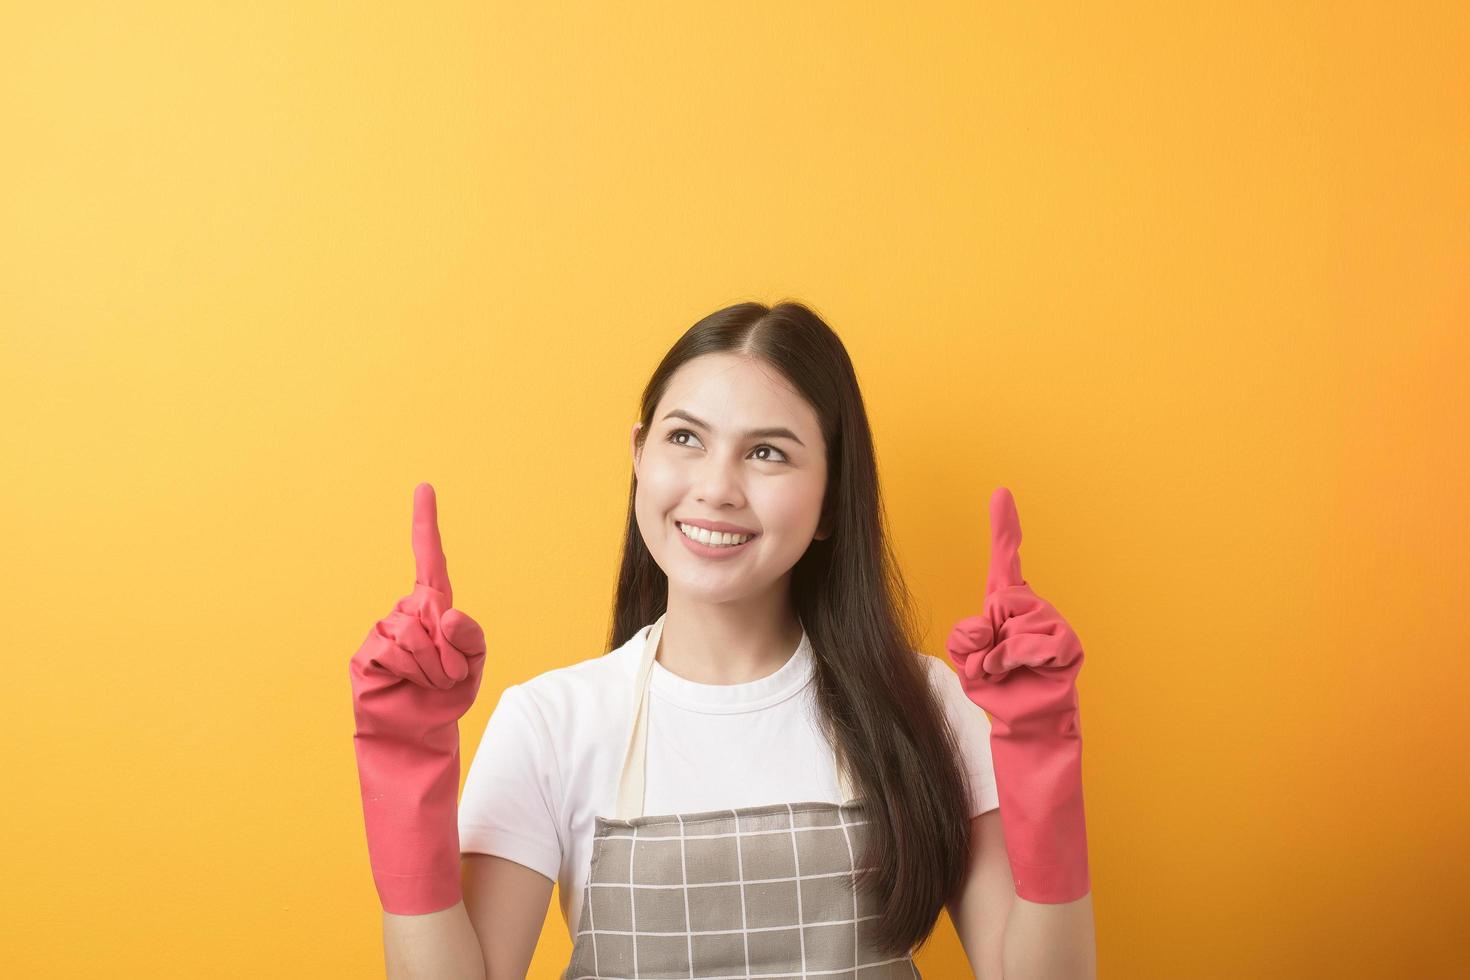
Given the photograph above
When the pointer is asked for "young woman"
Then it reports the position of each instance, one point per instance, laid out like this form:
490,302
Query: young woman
761,776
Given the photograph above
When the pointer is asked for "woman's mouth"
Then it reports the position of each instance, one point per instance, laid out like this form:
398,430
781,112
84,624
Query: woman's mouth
714,549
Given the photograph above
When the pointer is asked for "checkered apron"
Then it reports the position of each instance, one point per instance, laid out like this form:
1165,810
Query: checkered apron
759,891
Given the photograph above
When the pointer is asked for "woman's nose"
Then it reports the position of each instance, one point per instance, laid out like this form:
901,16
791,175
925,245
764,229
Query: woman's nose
718,480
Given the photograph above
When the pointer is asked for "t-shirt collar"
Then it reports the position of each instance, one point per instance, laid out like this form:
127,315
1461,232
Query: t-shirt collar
763,692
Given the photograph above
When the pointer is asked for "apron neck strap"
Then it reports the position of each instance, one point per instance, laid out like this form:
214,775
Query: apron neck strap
631,785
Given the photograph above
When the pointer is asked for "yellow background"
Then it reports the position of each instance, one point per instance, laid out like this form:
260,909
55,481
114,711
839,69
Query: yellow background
1193,284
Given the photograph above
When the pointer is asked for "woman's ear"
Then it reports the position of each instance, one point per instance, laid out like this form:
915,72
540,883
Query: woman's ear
633,446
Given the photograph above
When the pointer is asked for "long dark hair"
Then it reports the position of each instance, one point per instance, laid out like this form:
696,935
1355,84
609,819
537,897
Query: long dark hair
872,691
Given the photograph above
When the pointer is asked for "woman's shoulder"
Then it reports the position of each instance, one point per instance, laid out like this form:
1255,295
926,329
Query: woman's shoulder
586,685
938,669
944,679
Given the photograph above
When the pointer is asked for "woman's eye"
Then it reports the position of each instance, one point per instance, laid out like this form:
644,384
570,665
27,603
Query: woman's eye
673,437
772,449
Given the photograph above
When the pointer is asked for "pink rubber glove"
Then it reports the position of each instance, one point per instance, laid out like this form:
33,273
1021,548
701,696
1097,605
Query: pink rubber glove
413,678
1026,682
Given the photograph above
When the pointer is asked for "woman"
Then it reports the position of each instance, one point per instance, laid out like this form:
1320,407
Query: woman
761,776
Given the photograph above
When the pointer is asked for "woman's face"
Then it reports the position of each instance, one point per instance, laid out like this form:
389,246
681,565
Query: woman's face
716,469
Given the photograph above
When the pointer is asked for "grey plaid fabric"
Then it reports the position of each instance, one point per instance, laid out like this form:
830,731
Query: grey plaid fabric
761,891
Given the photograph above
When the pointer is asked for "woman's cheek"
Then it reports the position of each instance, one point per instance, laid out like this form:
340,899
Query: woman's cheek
792,511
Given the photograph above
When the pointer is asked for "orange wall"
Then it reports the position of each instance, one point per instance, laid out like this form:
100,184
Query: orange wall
1193,284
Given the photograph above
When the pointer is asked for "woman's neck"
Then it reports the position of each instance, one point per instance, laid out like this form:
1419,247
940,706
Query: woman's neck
727,643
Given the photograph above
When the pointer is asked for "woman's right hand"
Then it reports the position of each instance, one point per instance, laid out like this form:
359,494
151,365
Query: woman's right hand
420,666
413,678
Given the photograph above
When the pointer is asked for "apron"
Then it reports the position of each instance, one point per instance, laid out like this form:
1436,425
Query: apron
759,891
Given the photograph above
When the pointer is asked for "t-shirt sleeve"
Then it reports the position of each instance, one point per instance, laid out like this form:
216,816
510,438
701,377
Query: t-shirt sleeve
972,730
511,804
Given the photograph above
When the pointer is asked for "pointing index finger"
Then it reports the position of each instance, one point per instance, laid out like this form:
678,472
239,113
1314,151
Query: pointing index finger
430,568
1005,542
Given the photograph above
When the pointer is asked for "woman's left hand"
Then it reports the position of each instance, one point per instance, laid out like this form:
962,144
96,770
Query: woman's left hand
1019,660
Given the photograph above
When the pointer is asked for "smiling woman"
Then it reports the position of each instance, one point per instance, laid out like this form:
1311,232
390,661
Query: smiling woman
761,776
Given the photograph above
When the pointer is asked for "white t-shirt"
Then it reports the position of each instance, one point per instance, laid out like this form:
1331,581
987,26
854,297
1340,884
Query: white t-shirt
549,759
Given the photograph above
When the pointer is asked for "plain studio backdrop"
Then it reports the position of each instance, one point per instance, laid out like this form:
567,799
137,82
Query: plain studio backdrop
1193,283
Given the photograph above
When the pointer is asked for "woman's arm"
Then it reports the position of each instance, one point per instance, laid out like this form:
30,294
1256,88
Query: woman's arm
491,935
507,905
980,910
439,945
1050,942
1018,660
1008,938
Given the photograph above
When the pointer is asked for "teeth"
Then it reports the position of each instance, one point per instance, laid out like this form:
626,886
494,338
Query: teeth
716,538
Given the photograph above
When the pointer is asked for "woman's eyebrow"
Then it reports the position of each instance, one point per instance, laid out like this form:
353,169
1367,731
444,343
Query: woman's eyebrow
770,433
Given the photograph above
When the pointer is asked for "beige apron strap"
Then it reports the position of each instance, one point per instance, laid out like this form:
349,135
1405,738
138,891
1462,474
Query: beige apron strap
630,779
